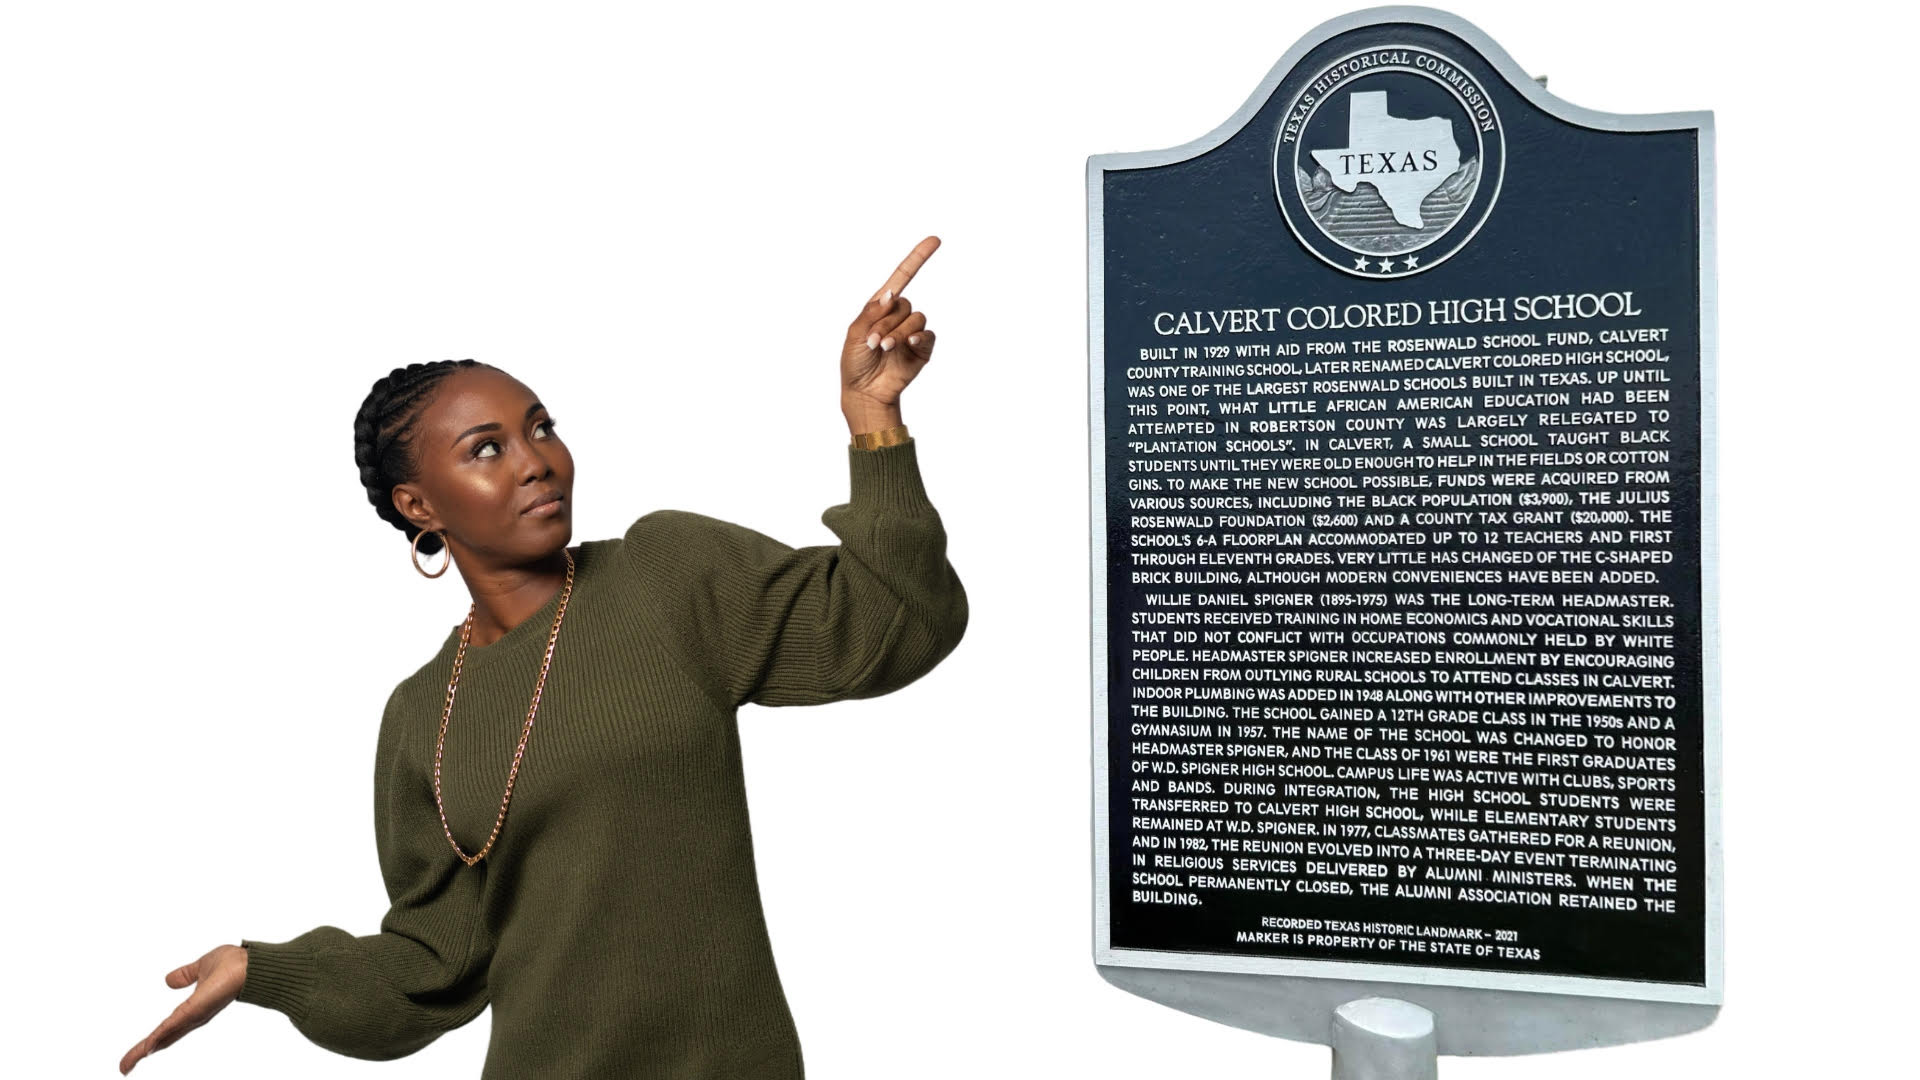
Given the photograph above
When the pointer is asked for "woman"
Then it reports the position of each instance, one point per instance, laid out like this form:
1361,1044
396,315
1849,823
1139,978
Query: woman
615,925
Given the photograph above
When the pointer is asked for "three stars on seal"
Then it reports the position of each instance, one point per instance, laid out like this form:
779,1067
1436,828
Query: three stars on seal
1361,262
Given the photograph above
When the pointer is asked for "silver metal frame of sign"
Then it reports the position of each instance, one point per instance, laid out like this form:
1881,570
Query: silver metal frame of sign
1477,1012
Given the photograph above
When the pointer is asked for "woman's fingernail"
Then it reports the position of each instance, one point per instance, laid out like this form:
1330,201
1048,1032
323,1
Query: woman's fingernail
914,340
873,341
887,297
886,345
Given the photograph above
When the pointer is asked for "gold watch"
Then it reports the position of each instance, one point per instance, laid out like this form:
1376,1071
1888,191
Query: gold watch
873,440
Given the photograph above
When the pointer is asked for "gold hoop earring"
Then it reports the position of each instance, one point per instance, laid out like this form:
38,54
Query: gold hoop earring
443,545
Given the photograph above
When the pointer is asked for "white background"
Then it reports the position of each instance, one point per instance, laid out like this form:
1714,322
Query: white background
223,222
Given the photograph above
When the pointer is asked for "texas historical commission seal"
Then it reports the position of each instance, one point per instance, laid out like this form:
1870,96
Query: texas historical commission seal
1388,161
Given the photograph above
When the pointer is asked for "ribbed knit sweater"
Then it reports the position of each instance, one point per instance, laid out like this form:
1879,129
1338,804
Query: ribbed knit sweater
616,928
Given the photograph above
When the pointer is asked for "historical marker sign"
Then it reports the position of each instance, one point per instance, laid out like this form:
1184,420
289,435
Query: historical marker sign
1404,625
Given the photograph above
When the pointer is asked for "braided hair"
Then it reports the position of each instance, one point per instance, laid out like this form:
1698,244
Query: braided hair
383,438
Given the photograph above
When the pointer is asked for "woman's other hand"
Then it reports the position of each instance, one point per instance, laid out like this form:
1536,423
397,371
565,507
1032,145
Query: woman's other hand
216,979
887,345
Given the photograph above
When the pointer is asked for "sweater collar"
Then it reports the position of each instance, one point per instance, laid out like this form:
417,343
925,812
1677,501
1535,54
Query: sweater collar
532,629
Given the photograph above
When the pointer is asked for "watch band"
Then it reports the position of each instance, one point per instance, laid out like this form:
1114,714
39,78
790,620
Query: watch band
873,440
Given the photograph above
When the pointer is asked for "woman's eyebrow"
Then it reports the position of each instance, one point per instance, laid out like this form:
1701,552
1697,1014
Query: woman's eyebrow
494,425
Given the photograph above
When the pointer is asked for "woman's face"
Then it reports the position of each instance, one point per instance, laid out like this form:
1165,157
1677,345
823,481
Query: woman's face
487,451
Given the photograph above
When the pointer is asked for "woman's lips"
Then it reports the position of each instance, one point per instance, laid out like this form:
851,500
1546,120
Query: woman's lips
547,509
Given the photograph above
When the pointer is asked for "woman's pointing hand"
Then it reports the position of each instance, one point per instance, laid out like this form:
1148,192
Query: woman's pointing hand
887,345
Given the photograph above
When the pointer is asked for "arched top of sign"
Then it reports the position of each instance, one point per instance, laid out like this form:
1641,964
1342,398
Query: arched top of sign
1517,78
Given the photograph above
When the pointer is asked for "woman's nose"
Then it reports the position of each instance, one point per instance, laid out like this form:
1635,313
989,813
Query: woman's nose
534,464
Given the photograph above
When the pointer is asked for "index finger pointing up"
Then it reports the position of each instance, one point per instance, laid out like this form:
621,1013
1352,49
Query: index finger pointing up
909,266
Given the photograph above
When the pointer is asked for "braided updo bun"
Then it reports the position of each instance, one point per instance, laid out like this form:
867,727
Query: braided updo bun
383,438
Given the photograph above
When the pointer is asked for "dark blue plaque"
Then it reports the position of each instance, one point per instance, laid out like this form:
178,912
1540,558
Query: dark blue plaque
1404,638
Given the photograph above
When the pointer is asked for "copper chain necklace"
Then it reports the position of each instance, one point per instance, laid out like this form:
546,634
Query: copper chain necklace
466,632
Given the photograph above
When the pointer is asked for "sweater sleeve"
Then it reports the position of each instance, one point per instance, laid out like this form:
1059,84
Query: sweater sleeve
759,621
388,994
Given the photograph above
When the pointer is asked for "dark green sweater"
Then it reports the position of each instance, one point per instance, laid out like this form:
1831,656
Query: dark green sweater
616,926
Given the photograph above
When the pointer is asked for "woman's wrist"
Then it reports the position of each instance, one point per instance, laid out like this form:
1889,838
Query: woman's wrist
865,415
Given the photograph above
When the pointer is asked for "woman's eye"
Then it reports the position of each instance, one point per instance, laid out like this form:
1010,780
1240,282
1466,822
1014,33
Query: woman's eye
479,447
